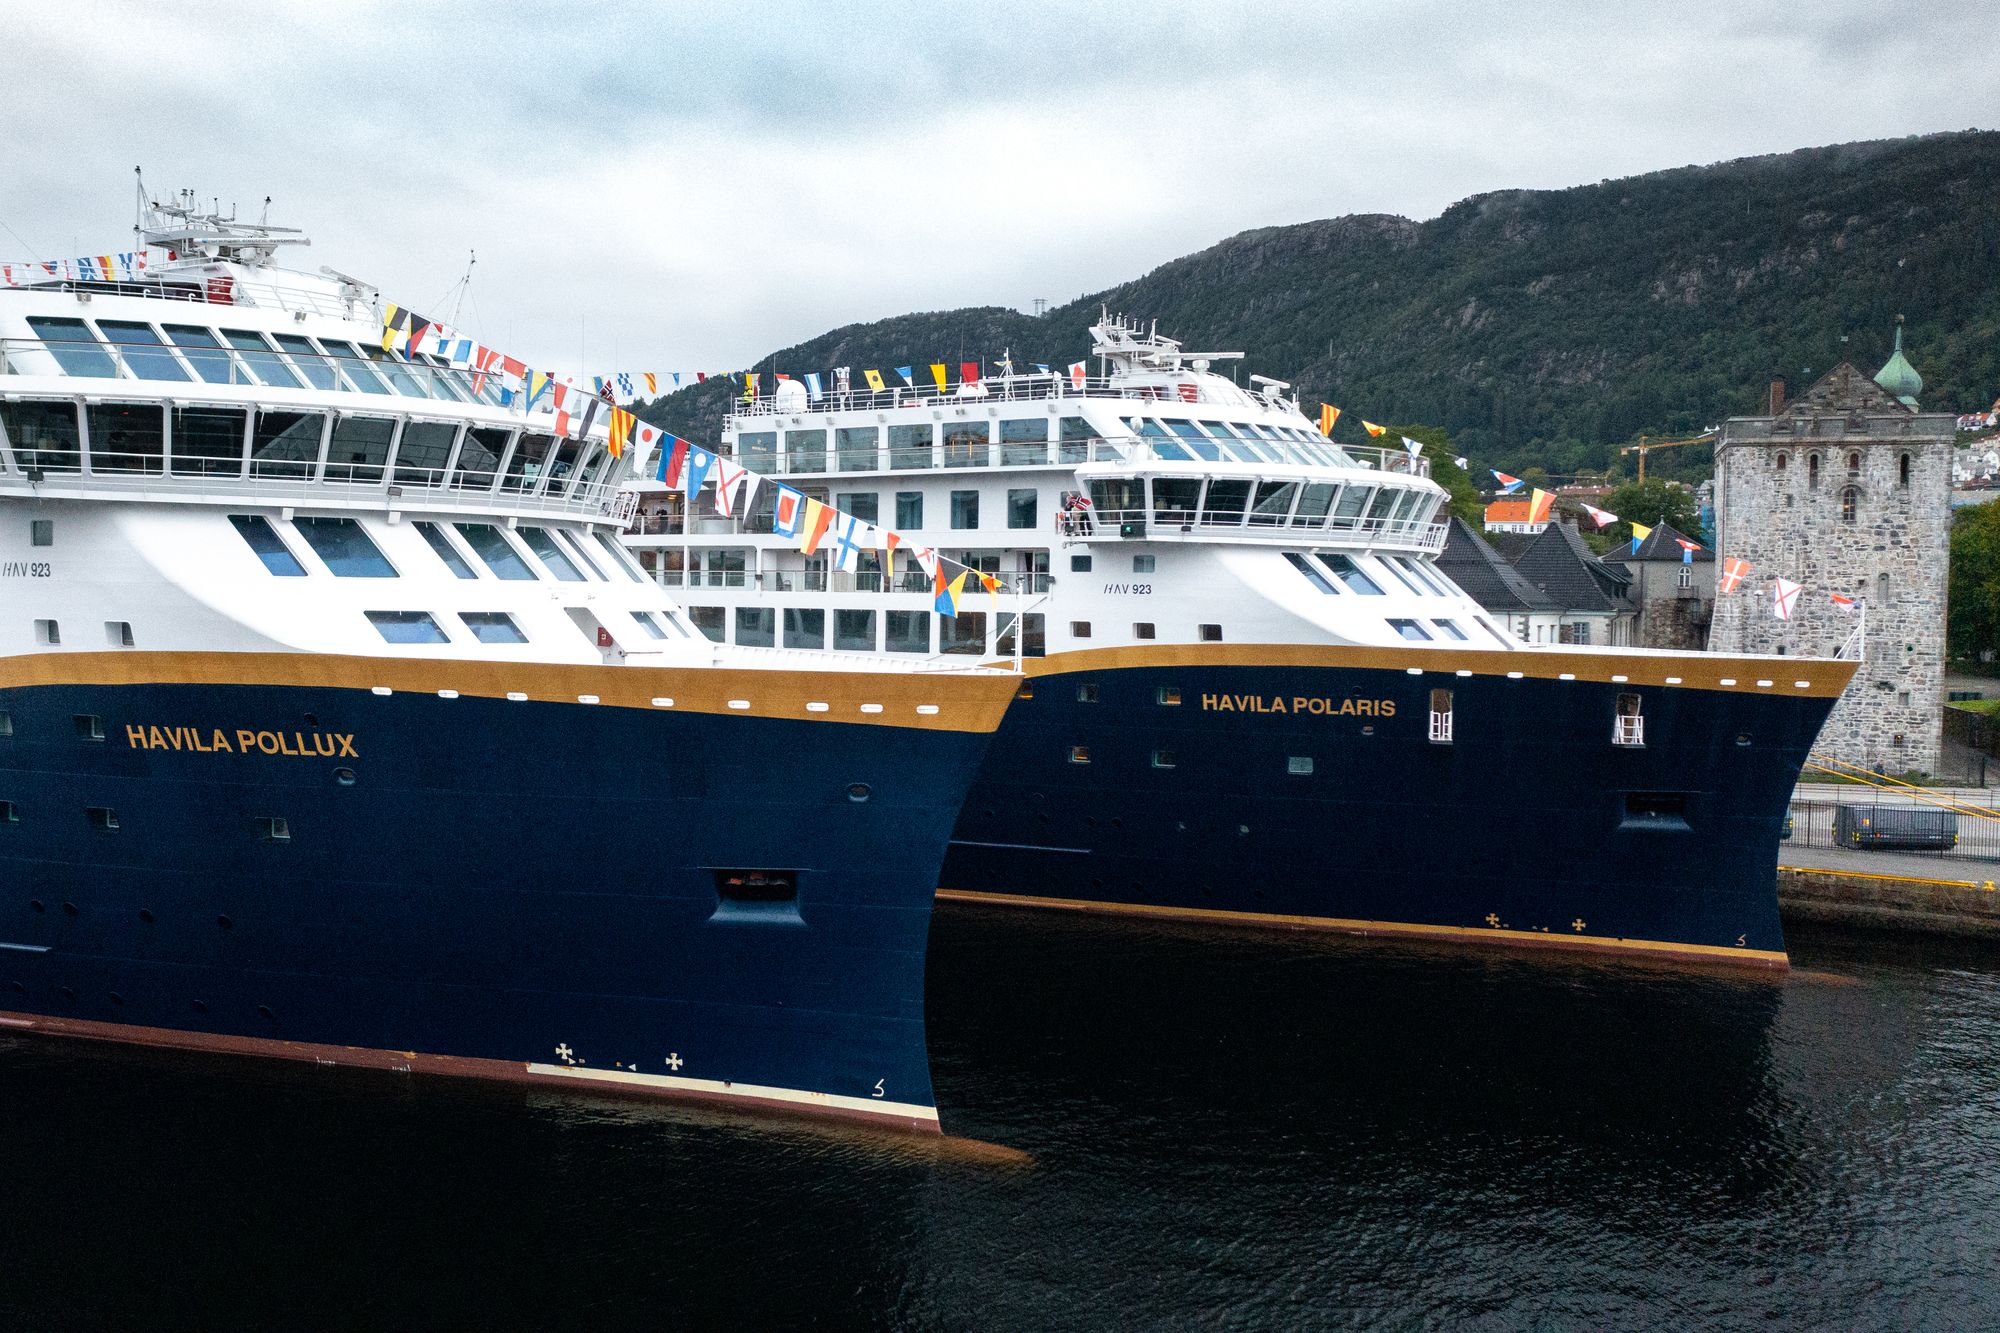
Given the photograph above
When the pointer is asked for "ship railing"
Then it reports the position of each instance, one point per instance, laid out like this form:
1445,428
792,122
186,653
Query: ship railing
763,455
1032,387
223,290
1188,525
908,580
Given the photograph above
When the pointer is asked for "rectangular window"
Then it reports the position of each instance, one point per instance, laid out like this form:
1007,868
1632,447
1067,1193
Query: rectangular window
907,631
1144,564
102,818
1143,629
1628,727
1167,696
964,633
441,544
964,509
307,360
910,447
616,555
909,510
493,548
1088,694
1411,630
1034,635
1079,754
551,555
1343,568
345,547
648,624
1024,442
89,726
269,546
127,437
204,351
756,626
479,458
1440,732
282,444
854,631
48,633
1075,434
1451,629
1079,629
856,448
1405,579
965,444
709,620
1310,571
423,451
1021,508
1079,564
864,505
1299,765
492,627
6,724
1163,759
805,627
264,363
359,448
44,435
273,828
759,449
118,633
406,626
144,352
41,532
74,347
1211,633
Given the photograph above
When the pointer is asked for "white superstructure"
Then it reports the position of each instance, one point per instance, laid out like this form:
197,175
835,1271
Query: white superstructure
1155,501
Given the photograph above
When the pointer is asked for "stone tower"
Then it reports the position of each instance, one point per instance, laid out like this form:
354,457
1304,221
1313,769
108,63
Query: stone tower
1846,490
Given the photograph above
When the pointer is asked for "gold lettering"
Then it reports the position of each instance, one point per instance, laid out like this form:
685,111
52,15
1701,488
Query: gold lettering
219,742
322,744
154,740
135,737
267,742
245,739
284,748
1278,704
1299,702
1388,708
1208,701
346,740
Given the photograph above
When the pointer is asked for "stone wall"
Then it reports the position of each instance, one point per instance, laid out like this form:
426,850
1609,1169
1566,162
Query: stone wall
1788,516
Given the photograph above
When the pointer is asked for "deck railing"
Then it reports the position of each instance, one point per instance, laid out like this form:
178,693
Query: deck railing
1143,525
1032,387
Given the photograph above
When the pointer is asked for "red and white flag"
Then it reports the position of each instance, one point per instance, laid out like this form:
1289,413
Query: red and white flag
1844,605
1734,571
1076,376
1603,518
728,476
1785,598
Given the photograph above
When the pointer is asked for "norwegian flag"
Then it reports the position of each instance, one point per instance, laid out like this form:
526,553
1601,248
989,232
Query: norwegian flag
1734,571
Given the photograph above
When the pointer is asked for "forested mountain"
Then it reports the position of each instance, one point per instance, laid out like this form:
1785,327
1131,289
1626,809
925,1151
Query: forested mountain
1542,328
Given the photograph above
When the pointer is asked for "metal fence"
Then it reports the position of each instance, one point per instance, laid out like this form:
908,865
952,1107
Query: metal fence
1811,824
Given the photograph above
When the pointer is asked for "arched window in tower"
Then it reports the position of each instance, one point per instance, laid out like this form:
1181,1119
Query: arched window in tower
1854,464
1903,470
1881,590
1850,497
1783,458
1812,469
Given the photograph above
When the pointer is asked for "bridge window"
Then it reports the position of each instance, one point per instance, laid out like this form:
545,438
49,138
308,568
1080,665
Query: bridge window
492,627
264,363
524,465
1314,502
208,442
1175,500
44,436
269,546
282,444
551,555
906,631
142,350
359,448
1274,503
1343,568
493,548
1352,501
479,457
75,349
1225,502
1024,442
434,537
1310,571
406,626
345,547
423,451
307,360
1410,629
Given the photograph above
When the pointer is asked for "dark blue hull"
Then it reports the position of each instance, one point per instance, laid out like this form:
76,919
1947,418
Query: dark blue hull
480,885
1529,826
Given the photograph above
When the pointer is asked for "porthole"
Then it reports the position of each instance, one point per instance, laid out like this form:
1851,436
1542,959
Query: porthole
859,792
1086,694
1167,696
1742,738
312,719
225,922
35,904
146,915
71,909
344,776
199,1006
116,998
264,1012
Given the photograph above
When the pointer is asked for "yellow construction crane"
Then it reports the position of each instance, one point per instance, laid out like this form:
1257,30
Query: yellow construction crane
1645,446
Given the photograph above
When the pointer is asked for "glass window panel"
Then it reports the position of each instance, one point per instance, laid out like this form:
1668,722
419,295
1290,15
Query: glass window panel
1225,501
479,458
208,442
759,450
441,379
127,437
709,620
964,633
910,447
550,554
423,451
441,544
74,347
907,631
576,548
1311,571
1024,441
965,444
1451,629
1076,435
269,546
359,448
1313,504
1385,500
1349,573
1352,501
756,626
492,627
1194,440
345,547
650,625
284,444
1410,629
1274,502
854,631
909,510
805,627
307,360
264,363
1401,577
493,548
1175,499
406,626
965,509
616,555
205,352
356,368
144,352
1021,509
562,465
857,448
525,467
864,505
1034,637
45,436
392,368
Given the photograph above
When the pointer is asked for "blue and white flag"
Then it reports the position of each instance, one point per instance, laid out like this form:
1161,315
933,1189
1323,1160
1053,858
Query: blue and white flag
909,377
624,385
813,393
699,462
849,541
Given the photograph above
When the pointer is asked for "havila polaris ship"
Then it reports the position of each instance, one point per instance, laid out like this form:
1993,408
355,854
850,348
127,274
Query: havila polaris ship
1250,693
335,724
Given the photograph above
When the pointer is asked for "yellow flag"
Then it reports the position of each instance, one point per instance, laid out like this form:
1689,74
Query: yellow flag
937,373
874,378
1372,428
1328,414
749,387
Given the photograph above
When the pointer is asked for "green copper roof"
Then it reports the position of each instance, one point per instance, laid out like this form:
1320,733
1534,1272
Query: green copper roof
1898,376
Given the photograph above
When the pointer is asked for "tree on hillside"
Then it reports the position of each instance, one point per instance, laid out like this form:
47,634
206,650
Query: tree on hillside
1973,627
1652,503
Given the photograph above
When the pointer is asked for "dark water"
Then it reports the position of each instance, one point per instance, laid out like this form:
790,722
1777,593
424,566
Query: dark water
1237,1130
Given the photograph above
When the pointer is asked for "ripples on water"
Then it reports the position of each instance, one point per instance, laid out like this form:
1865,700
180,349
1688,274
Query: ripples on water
1226,1129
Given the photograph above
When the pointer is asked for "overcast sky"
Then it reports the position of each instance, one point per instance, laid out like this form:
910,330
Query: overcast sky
688,187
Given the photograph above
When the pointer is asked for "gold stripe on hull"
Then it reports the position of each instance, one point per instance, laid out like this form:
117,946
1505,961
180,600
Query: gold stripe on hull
1706,953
